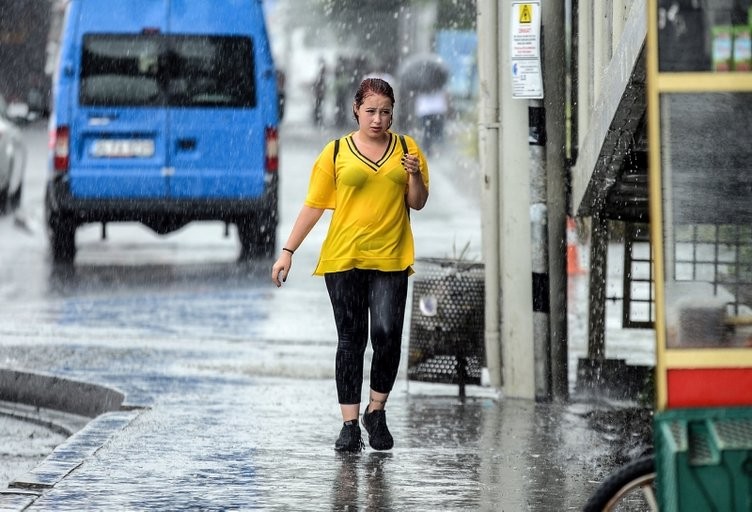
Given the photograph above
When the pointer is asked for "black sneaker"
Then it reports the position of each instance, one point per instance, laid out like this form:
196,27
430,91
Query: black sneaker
349,438
378,434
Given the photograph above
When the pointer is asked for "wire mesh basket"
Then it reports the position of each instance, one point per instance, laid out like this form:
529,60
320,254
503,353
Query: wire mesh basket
447,322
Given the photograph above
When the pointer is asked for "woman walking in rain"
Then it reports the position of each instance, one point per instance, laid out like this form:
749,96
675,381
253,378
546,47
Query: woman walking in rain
370,178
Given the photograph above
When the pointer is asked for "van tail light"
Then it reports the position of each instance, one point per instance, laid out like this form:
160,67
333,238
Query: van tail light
272,149
60,142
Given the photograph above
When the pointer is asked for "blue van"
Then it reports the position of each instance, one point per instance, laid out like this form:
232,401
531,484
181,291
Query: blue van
165,112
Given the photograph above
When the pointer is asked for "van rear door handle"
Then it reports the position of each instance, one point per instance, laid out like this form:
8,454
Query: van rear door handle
187,144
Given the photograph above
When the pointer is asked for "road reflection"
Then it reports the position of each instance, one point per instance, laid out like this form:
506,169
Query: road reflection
66,280
222,299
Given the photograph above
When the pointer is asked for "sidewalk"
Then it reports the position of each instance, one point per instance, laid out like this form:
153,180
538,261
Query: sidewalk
244,418
198,431
266,447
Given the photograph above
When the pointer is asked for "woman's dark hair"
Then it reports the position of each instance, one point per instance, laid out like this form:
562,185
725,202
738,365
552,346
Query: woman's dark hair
372,86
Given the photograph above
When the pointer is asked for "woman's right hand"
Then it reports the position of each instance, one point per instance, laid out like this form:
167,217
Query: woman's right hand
281,268
307,218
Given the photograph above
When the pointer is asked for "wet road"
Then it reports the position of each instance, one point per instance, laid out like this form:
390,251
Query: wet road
230,400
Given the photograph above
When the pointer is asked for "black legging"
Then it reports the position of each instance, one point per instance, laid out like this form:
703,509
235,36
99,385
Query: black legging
353,293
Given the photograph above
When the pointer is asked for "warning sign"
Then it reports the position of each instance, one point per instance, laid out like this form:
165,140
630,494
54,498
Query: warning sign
525,15
527,80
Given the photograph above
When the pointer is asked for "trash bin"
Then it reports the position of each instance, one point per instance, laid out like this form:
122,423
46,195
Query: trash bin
447,323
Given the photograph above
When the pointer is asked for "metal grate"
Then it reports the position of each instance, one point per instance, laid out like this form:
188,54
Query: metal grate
447,322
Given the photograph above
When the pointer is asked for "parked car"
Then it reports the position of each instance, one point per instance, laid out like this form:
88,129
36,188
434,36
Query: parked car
164,113
12,161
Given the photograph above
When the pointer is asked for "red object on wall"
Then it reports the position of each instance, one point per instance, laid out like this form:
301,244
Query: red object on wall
573,252
709,387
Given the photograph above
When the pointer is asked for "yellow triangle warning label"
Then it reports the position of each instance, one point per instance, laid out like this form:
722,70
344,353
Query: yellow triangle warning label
526,13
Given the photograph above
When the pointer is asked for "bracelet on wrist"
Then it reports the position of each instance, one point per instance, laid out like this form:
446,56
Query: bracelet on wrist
288,250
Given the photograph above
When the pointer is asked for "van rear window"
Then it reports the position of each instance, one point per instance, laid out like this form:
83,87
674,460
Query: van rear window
174,70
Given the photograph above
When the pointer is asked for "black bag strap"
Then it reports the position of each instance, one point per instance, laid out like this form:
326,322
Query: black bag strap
336,150
404,144
404,150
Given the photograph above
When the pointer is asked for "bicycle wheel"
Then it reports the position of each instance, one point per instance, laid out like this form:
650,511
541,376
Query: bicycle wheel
631,487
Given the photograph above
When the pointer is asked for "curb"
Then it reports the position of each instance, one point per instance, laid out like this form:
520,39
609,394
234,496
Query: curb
90,413
52,392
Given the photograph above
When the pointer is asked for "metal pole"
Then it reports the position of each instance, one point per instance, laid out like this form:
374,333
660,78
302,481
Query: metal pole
541,339
488,137
539,255
514,237
554,75
597,299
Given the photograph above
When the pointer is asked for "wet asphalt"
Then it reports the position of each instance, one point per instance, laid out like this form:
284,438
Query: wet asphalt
249,443
249,423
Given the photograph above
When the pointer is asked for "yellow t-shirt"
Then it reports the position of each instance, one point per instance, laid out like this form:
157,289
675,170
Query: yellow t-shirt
370,226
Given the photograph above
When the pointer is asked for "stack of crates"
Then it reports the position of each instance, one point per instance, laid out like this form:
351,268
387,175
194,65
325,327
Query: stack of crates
704,459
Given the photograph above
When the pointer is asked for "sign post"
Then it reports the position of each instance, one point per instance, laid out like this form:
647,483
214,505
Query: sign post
525,56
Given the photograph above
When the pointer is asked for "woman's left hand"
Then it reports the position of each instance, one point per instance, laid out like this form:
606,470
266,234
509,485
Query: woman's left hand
411,163
417,193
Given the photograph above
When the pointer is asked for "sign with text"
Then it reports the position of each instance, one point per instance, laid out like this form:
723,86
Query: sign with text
524,50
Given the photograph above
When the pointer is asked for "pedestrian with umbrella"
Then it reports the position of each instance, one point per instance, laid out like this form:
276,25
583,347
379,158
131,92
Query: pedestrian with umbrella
423,78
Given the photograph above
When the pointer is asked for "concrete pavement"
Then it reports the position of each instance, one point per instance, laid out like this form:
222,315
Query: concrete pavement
187,420
246,443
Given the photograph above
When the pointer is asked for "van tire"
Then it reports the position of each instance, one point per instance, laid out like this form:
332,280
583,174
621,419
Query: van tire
15,198
257,240
4,193
62,235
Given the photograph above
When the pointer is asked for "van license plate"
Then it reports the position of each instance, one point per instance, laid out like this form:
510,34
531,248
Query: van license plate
123,148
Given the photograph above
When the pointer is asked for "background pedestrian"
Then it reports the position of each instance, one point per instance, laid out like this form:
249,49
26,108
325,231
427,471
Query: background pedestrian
431,108
319,94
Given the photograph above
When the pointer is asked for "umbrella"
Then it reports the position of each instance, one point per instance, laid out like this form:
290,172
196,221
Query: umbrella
423,73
